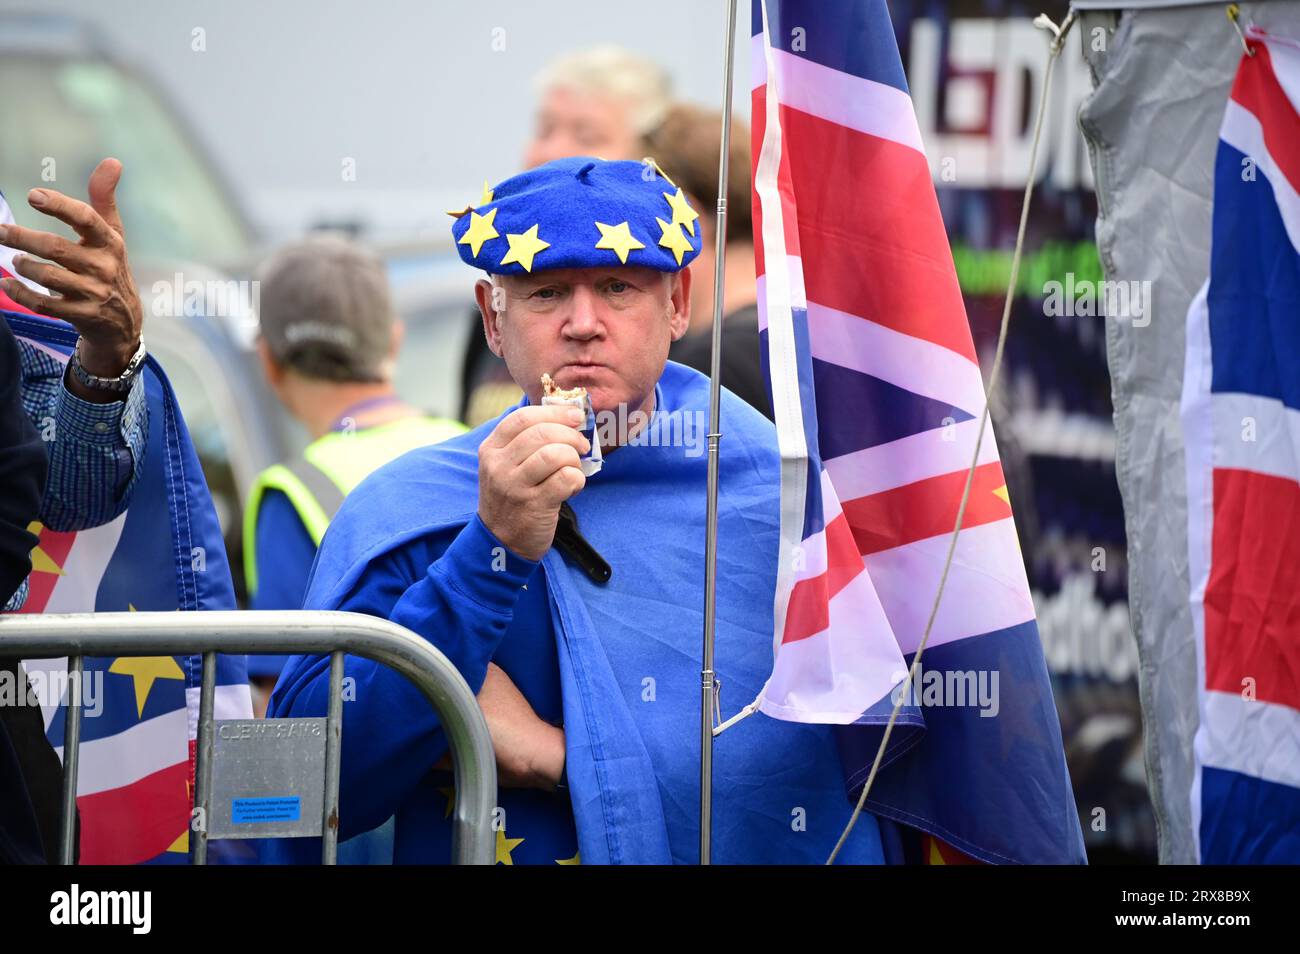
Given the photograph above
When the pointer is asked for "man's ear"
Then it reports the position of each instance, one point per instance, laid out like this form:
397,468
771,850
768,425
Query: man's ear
398,336
484,293
679,301
271,369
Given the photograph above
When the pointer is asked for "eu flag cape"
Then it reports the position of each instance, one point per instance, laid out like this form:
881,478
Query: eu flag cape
629,650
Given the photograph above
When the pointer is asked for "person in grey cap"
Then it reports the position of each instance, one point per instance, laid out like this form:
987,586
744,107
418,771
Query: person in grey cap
328,344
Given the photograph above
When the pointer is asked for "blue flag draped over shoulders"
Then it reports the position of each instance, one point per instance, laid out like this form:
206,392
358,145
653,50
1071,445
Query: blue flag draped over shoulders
629,650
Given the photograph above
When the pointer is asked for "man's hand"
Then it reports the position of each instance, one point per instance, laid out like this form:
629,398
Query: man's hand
529,751
527,467
96,293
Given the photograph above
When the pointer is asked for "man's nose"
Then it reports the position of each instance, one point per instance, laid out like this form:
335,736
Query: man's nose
583,321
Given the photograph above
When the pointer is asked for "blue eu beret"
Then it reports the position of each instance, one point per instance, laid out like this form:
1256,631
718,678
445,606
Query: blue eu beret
579,213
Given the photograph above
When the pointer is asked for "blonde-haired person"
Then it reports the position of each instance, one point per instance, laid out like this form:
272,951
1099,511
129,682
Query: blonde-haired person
686,144
604,101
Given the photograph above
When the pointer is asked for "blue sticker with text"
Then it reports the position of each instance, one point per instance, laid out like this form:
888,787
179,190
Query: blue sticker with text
249,811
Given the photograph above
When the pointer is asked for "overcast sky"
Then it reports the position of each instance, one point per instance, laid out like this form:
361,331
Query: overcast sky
413,91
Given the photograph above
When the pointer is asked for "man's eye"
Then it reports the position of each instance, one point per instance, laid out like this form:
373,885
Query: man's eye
546,294
618,287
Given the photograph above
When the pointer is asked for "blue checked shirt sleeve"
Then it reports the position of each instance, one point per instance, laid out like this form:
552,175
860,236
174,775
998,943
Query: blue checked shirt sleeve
95,450
18,599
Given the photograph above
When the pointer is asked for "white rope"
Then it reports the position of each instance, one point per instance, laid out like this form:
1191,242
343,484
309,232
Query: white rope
744,713
1058,33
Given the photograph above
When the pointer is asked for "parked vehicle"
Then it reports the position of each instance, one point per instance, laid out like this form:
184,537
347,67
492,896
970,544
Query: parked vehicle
194,251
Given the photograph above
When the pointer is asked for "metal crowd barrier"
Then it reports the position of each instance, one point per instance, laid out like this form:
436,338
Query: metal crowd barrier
273,632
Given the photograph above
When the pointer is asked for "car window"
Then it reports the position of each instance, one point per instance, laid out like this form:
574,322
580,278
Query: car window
71,113
429,365
214,436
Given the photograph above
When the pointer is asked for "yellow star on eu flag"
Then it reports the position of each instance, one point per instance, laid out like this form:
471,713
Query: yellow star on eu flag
505,846
673,238
480,230
143,670
487,194
42,562
523,248
683,214
618,239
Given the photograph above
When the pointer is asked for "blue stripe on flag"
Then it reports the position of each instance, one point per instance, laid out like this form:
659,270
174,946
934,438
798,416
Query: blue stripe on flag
945,786
852,36
1246,820
1254,294
873,412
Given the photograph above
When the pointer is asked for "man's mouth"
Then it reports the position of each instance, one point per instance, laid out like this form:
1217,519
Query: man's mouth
579,370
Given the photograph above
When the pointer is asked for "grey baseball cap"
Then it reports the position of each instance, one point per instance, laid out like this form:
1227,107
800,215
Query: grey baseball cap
325,309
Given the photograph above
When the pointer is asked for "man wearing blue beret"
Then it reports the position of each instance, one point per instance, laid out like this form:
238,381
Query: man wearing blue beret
582,644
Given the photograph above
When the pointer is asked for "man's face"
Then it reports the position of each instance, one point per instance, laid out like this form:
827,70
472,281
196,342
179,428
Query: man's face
570,123
603,329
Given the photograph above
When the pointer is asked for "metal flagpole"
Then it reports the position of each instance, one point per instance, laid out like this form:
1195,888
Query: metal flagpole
708,684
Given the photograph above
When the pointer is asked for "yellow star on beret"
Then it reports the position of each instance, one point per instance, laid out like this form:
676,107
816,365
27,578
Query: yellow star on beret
523,248
480,230
618,239
683,214
483,200
673,238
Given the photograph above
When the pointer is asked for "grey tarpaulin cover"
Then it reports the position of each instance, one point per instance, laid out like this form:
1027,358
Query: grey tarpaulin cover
1161,80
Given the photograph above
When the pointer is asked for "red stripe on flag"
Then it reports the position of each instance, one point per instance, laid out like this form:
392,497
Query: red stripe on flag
808,612
56,545
131,824
7,303
784,183
926,508
878,248
1252,599
1257,89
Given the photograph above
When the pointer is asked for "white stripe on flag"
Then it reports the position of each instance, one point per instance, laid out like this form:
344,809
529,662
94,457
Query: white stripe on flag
839,673
7,254
133,754
84,568
946,450
1284,54
986,589
864,105
1198,445
786,404
1255,738
1255,433
229,702
913,364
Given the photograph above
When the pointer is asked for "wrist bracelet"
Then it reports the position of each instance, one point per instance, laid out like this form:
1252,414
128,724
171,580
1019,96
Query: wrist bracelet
119,384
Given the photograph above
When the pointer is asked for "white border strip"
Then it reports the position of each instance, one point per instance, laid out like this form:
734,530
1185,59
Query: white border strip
786,404
1198,437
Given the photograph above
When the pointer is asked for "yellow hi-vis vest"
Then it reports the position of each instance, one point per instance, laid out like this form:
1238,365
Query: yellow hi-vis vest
330,468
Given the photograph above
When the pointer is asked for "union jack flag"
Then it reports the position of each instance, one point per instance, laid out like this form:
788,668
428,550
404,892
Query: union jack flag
878,398
1241,428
